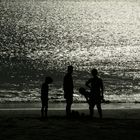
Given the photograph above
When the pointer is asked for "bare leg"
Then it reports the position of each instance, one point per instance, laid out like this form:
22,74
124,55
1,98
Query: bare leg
68,108
46,112
99,110
42,111
91,109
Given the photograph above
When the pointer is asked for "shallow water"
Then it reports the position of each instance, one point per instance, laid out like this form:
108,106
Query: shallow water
61,106
42,37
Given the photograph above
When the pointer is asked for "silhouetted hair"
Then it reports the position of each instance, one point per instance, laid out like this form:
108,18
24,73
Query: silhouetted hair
48,80
70,68
94,72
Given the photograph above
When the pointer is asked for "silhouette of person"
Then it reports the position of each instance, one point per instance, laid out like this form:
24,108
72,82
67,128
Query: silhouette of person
44,96
68,90
96,88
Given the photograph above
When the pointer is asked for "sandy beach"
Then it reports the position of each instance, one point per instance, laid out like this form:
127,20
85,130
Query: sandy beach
25,123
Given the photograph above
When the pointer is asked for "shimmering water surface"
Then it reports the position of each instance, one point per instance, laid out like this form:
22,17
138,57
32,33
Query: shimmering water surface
42,37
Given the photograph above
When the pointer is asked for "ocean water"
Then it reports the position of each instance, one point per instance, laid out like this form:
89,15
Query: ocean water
42,37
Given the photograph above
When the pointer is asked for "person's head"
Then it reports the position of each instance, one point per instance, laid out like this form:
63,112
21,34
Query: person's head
94,72
70,69
48,80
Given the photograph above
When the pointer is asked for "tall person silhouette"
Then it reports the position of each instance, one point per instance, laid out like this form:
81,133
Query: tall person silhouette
96,88
44,96
68,90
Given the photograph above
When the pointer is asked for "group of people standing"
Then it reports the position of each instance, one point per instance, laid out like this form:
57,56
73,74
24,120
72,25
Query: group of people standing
94,96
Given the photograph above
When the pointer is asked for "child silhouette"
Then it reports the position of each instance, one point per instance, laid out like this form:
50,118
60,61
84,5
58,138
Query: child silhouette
44,96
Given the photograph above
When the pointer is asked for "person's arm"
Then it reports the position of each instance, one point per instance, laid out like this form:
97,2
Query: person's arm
88,97
88,83
102,90
65,86
42,89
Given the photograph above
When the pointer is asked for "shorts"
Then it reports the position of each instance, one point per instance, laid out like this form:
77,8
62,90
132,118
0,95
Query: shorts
44,102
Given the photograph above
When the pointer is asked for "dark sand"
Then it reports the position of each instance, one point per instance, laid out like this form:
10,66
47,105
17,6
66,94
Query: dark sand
26,124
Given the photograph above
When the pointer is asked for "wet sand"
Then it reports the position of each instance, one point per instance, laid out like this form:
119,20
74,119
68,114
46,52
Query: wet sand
25,123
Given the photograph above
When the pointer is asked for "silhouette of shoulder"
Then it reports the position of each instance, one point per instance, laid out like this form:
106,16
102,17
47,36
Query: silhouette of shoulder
95,80
67,76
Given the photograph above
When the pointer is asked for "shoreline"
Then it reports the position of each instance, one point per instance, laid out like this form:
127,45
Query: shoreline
108,114
61,106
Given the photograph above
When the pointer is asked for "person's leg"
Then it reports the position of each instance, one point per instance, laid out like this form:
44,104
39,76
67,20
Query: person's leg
68,108
42,111
91,109
99,110
46,111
